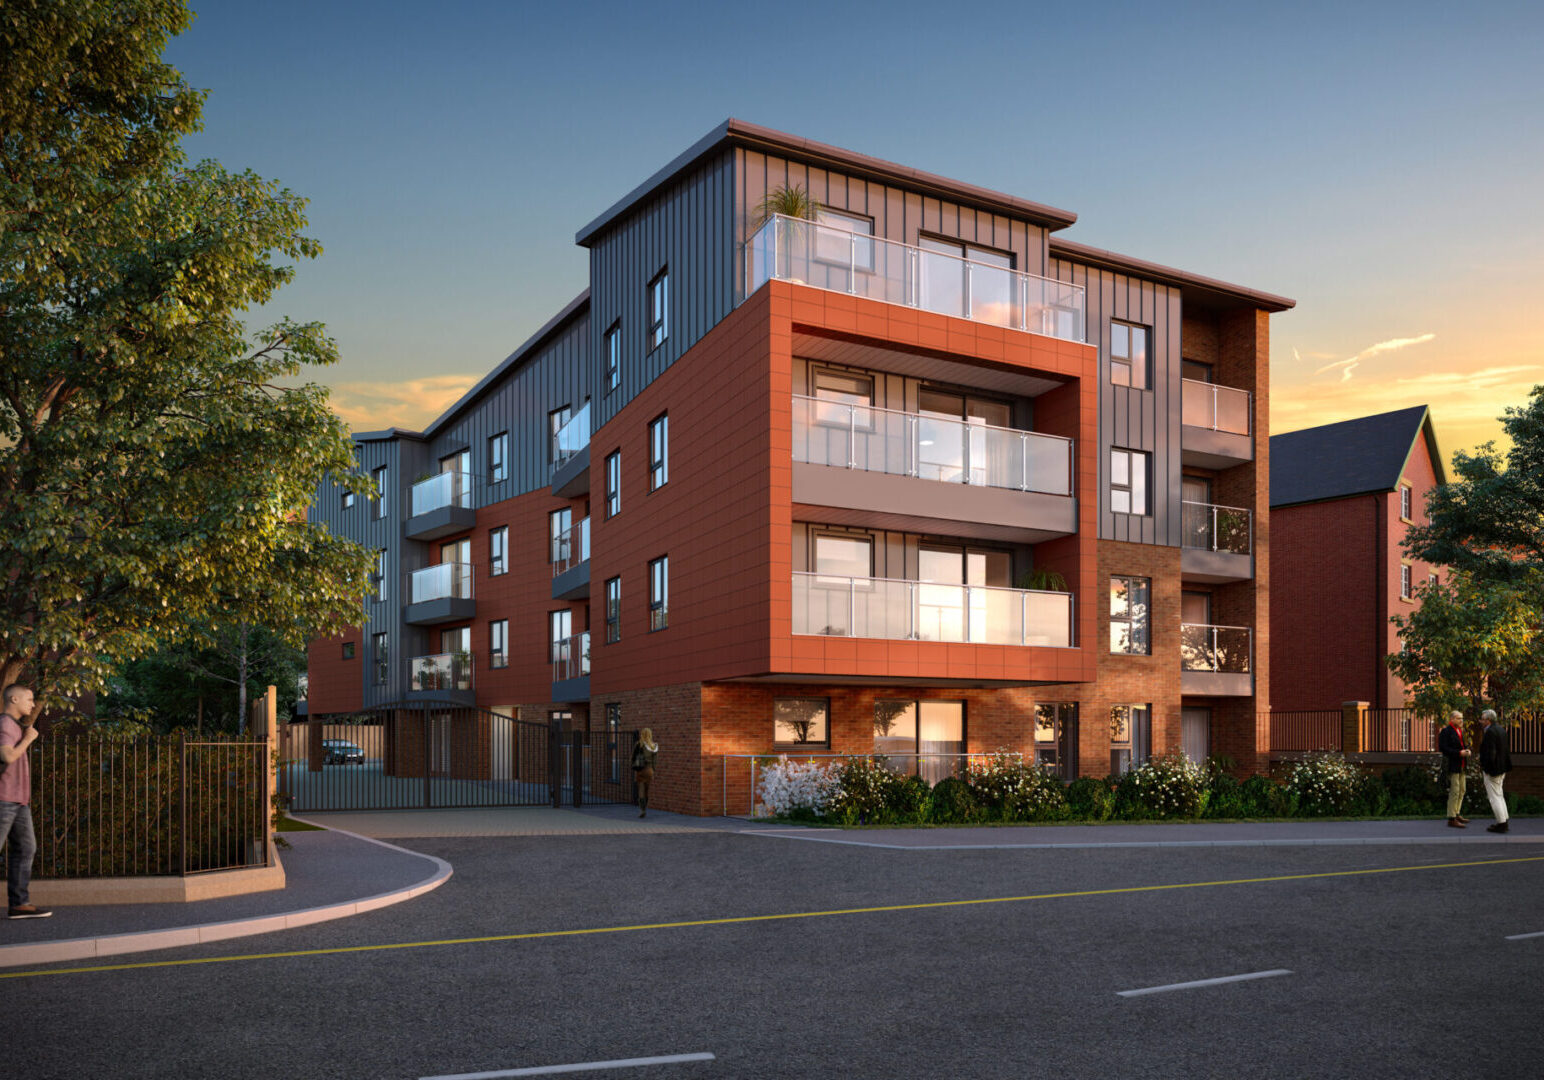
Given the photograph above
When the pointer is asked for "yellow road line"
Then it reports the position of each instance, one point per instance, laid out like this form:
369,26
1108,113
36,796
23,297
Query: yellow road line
732,919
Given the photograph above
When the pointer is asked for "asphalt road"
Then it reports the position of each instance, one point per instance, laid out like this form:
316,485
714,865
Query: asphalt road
1402,974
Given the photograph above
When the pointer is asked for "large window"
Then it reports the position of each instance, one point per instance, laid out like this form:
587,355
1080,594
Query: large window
380,575
659,309
614,609
379,476
1130,732
926,737
1128,481
498,643
498,458
498,550
613,483
1129,615
559,522
840,248
614,357
378,657
659,593
659,452
555,421
1128,355
1056,737
801,722
560,627
844,556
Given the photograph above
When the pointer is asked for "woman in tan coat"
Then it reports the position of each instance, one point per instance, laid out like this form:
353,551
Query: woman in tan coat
645,754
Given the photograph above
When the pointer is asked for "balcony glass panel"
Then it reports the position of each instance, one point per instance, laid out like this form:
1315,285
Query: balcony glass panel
443,581
571,657
1218,408
1215,648
572,437
828,257
929,447
572,547
835,606
1217,528
442,671
439,491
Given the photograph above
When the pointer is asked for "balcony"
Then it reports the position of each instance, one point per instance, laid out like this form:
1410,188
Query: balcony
834,606
834,259
571,563
440,505
571,668
571,455
442,677
1215,425
1217,544
918,473
1216,661
439,594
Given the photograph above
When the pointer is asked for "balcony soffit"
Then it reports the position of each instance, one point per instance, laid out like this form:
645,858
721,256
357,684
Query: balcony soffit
1006,381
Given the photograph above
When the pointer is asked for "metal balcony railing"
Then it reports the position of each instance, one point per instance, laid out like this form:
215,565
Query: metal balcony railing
441,671
1203,647
572,547
572,437
439,491
571,657
443,581
1219,408
1210,527
901,610
929,447
838,260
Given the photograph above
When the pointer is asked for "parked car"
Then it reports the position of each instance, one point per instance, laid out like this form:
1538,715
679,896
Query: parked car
341,751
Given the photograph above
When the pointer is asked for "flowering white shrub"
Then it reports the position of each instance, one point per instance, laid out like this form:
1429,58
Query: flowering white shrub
787,786
1016,791
1167,786
1324,783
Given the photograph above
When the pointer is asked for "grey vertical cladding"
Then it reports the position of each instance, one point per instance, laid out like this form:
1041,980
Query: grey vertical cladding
685,227
1147,420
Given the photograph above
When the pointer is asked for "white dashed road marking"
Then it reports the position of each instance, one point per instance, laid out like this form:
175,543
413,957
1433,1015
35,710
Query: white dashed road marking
582,1066
1203,982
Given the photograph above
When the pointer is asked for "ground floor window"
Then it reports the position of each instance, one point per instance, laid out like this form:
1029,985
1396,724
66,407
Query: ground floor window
801,722
1130,737
1056,737
925,737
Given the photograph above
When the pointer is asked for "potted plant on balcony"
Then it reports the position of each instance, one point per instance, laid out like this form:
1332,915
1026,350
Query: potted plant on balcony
793,206
1042,580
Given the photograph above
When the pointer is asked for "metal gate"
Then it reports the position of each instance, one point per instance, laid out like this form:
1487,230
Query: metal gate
417,755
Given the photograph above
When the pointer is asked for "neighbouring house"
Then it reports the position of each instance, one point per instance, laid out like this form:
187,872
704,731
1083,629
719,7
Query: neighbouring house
918,476
1343,496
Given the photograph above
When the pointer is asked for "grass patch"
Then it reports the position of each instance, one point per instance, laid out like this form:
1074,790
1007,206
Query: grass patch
289,824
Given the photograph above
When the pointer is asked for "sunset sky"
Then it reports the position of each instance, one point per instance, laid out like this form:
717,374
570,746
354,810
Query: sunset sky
1380,163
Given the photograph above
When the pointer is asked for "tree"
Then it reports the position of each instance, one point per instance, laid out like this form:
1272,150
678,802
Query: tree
153,469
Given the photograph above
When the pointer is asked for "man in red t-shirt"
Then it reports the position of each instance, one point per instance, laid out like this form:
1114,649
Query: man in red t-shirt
16,735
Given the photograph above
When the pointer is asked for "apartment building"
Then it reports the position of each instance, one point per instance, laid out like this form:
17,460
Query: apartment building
918,476
1343,497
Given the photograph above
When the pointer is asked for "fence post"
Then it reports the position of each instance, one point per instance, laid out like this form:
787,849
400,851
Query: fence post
576,766
423,717
265,725
1352,717
182,804
555,761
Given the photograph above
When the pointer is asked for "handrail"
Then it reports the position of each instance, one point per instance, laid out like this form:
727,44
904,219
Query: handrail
1213,422
898,609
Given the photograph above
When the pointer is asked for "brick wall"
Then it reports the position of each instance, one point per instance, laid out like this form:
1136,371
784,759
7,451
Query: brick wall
336,685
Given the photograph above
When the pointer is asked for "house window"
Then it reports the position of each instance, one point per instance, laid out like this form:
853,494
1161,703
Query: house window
844,557
659,453
498,458
853,396
1128,481
498,643
1406,498
348,500
614,357
555,421
847,241
559,522
613,483
348,650
801,722
1431,579
1128,355
380,575
379,476
378,655
614,740
1129,615
925,737
498,551
1056,737
1406,586
560,626
659,593
659,309
1130,728
1195,371
614,609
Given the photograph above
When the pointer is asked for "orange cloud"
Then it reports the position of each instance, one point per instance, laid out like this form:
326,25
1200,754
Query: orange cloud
1346,367
409,403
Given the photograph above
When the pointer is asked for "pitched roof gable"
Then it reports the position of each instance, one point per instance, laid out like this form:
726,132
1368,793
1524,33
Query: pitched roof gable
1352,457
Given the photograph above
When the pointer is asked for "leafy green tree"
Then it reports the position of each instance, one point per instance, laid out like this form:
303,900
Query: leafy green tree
154,466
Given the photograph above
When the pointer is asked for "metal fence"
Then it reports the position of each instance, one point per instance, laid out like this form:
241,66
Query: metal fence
1305,729
742,772
1397,730
150,806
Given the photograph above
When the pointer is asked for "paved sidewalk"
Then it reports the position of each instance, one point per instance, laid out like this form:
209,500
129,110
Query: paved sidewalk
598,820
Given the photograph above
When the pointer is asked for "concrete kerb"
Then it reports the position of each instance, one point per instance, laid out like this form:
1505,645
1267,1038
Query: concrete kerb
53,952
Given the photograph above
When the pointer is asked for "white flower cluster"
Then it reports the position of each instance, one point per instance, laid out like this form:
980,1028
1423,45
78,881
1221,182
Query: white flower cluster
798,785
1324,782
1171,784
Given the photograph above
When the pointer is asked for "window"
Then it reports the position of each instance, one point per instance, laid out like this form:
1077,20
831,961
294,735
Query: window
348,500
1406,587
613,483
659,309
348,650
1128,355
856,391
378,655
498,458
1406,498
560,626
380,575
559,522
1130,728
1195,371
614,740
659,593
498,643
800,722
926,737
1129,615
614,609
1431,579
1128,481
555,421
844,557
379,476
614,357
835,245
1056,737
498,550
659,453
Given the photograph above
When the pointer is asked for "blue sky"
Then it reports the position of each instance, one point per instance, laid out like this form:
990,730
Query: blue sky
1380,163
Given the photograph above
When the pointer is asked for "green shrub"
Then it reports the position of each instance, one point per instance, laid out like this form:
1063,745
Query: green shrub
1412,790
1529,804
1324,783
1264,797
869,792
953,803
1008,789
1225,797
1171,786
1091,799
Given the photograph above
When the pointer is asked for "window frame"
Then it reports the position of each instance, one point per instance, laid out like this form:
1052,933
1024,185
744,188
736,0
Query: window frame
659,451
382,477
1130,488
498,550
348,650
1406,581
1136,715
554,617
1126,360
555,535
860,256
1146,622
784,744
1406,503
613,490
498,658
657,304
381,559
613,602
380,657
554,425
498,458
659,594
347,500
612,343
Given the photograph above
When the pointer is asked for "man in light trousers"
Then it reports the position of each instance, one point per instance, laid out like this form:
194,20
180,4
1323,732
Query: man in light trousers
1495,763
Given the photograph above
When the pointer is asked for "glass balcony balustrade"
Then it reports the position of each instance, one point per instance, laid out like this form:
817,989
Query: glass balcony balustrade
1217,408
835,259
571,657
439,491
837,606
929,447
571,548
443,581
1209,527
442,671
572,437
1204,647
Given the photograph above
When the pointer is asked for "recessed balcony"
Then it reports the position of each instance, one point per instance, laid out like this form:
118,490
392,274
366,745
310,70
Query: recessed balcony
442,677
1217,545
571,563
1216,661
440,505
838,260
571,668
923,473
439,594
1215,425
834,606
571,456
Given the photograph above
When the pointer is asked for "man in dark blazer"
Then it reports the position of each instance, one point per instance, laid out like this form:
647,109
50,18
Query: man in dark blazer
1495,763
1455,755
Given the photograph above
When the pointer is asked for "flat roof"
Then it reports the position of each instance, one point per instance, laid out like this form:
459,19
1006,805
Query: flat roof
1197,287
